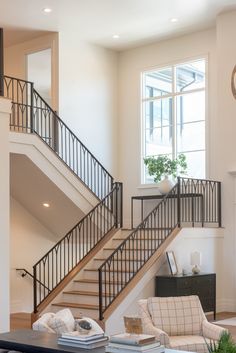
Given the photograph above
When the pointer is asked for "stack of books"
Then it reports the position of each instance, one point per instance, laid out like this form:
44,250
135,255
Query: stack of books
86,341
131,343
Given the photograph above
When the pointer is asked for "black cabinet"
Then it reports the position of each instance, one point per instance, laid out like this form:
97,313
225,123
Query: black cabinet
203,285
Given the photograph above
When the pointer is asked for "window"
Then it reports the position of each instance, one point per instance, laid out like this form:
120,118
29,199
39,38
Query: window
173,106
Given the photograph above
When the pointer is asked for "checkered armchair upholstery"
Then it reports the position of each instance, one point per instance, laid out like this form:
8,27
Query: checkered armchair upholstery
178,322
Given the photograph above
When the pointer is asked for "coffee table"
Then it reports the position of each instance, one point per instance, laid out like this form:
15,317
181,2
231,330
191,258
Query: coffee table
29,341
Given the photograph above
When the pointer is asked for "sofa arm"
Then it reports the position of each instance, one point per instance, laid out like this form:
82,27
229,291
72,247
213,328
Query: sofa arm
148,326
212,331
159,334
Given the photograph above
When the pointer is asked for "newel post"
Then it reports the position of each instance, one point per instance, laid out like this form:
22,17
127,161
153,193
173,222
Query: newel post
178,203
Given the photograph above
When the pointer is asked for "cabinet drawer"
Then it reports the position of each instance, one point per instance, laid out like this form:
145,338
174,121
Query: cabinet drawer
184,283
204,282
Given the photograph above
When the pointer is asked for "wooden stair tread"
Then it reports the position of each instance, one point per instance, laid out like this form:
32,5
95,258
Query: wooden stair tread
77,306
135,249
80,292
95,269
84,280
126,260
152,239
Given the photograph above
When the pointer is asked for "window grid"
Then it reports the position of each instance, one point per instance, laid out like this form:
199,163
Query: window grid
177,93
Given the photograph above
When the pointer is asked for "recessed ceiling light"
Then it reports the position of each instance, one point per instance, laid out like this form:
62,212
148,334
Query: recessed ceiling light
47,10
174,19
116,36
46,205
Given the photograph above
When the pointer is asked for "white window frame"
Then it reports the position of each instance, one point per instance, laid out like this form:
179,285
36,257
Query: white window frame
172,95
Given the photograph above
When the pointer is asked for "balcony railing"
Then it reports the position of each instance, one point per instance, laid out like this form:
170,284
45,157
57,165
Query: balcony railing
32,114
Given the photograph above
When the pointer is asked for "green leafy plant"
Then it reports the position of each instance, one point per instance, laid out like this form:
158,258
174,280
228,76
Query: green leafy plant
224,345
165,166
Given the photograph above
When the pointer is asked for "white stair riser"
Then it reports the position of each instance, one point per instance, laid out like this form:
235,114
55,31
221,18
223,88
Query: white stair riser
117,264
136,254
106,253
90,275
139,243
94,275
80,299
93,287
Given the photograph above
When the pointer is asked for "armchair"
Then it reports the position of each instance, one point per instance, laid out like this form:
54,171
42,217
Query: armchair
178,322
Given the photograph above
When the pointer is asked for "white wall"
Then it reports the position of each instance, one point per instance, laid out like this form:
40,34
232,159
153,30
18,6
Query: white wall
131,64
30,240
88,96
225,146
217,44
5,109
87,89
208,241
15,60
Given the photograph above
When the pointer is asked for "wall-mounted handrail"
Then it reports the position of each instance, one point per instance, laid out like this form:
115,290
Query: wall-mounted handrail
25,272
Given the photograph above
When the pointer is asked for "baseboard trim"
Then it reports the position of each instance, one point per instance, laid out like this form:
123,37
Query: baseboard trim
228,305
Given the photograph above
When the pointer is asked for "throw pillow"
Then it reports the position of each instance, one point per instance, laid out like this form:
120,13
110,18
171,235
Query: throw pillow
63,321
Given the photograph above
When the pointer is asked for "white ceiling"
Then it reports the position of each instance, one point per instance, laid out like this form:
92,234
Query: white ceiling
136,21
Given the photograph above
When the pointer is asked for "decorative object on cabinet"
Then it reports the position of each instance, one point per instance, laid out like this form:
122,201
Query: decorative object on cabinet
196,261
172,262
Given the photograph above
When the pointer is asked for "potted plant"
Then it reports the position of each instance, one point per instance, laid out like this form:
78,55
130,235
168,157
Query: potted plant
164,166
224,345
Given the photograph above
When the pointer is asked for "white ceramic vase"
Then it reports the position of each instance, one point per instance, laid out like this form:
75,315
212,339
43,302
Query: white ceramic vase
165,185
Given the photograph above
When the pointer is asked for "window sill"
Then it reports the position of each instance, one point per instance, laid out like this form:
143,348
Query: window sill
148,186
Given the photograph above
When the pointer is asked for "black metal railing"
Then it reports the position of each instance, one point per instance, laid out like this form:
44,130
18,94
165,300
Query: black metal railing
200,201
59,261
190,201
130,256
32,114
24,272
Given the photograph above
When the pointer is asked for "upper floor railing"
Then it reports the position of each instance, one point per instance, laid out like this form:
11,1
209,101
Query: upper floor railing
191,201
32,114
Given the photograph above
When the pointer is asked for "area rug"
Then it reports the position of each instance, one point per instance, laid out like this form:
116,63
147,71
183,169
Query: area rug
227,322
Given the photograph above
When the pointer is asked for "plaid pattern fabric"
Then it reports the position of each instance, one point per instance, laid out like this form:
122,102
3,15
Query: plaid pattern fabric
147,324
189,343
185,341
212,331
177,315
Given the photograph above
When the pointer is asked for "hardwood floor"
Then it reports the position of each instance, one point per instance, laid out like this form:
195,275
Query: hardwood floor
22,320
222,316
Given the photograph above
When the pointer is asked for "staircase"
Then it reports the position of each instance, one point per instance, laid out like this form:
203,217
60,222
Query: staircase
82,294
95,265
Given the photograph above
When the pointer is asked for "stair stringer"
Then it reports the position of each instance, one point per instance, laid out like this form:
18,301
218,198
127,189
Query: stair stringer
54,168
136,279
